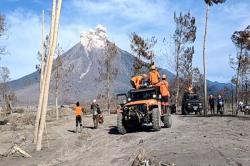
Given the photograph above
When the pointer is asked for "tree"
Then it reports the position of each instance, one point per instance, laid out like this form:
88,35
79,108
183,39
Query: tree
184,37
4,88
143,51
208,4
241,40
58,76
107,70
197,79
44,94
3,29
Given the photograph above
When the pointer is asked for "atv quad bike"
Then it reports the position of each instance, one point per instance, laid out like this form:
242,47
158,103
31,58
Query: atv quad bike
142,106
191,103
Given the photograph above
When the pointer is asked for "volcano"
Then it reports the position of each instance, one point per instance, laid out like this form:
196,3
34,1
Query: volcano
80,72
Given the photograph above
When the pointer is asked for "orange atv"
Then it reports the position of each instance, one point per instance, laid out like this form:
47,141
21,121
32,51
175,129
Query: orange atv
142,106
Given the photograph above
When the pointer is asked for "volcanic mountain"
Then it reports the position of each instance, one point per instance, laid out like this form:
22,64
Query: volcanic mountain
80,72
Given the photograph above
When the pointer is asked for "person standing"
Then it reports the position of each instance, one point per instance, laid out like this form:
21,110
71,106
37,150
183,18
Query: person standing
164,89
154,76
96,112
78,111
211,103
220,105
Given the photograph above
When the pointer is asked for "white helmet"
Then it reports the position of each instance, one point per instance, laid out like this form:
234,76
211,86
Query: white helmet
94,101
153,67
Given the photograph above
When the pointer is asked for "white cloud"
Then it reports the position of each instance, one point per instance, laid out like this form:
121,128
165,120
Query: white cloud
131,11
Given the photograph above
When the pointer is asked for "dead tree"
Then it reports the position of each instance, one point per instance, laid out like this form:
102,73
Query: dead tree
3,29
241,40
4,88
184,37
58,76
142,49
108,70
208,4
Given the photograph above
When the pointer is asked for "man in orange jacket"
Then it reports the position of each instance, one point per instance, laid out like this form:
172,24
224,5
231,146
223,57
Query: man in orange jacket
164,89
137,81
78,110
154,76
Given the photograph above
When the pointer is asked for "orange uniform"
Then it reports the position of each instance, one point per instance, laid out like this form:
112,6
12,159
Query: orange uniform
78,111
154,77
164,88
137,80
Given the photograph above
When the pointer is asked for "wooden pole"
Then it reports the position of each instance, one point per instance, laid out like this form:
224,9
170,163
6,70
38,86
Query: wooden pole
204,61
38,114
53,42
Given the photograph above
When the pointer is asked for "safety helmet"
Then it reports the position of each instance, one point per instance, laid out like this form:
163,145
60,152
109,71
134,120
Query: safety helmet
164,76
94,101
153,67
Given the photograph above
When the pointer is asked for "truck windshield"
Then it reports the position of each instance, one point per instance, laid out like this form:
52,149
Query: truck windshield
142,95
193,97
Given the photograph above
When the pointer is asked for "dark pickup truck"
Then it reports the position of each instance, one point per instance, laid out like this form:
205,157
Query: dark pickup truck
191,103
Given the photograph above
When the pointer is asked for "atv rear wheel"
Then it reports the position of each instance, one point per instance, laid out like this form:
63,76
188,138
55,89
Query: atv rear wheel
167,121
156,119
120,125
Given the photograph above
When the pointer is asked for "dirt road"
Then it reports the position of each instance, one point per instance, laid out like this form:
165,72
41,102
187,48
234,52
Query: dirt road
196,141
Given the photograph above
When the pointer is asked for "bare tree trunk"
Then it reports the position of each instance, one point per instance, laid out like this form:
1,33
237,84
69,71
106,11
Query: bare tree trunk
108,88
53,43
237,77
57,86
204,61
177,76
57,112
177,90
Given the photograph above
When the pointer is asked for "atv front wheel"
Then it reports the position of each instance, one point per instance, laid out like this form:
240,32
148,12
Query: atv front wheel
120,126
156,119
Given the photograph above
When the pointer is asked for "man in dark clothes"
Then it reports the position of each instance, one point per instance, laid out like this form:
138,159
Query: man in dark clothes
96,112
220,105
211,102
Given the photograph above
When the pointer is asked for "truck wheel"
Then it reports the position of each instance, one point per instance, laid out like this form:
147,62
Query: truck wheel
167,121
120,126
156,119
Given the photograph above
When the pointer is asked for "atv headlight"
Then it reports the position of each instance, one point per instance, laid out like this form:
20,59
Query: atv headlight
189,104
154,96
129,99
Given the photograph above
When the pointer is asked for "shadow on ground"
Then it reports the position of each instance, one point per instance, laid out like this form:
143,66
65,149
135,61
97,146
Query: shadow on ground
145,128
241,117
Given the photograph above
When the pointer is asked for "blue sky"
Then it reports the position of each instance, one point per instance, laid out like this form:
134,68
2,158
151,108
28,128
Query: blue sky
121,17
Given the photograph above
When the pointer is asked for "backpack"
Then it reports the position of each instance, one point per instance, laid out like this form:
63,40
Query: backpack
98,110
